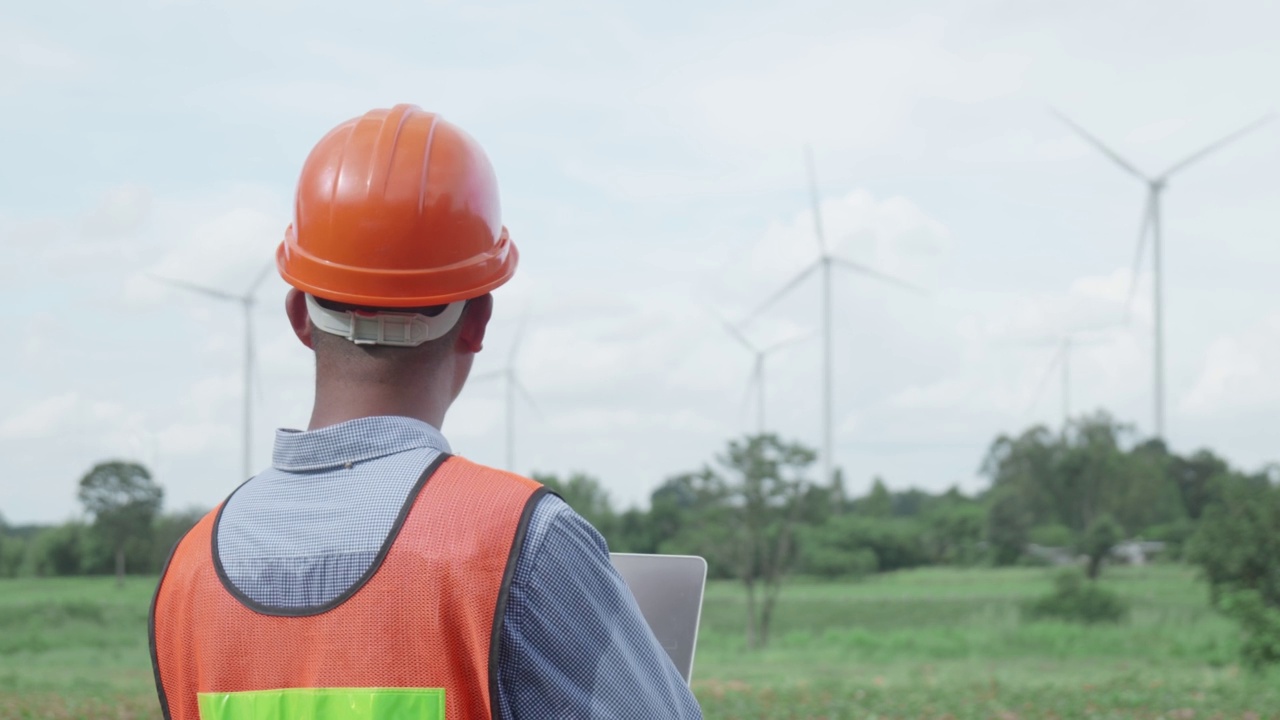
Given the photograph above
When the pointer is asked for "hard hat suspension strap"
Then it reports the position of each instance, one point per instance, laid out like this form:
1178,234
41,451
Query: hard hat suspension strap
399,329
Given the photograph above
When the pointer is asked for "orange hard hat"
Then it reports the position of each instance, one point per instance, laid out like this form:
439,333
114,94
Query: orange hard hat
398,208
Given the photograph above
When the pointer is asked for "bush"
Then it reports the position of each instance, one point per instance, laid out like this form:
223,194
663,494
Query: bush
57,550
1058,536
12,550
1076,600
1261,626
859,544
832,562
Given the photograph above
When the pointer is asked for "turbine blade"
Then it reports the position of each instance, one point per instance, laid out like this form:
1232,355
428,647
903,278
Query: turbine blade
1137,258
1044,382
257,282
864,270
813,198
1214,147
210,292
482,377
1115,157
737,335
799,278
787,341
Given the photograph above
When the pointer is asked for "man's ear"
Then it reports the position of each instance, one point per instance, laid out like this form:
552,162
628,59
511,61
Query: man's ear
295,306
475,320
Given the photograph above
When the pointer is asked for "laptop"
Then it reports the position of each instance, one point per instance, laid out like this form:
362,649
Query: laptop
668,589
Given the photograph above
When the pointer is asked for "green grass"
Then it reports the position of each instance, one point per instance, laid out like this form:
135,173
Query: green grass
933,643
941,643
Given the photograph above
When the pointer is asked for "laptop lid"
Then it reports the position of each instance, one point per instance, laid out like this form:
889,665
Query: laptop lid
668,589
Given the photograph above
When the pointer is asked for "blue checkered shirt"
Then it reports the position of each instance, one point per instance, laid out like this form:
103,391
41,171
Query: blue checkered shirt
573,643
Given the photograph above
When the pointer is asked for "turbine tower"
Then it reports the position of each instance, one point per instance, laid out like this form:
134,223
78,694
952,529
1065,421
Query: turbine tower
1062,360
512,386
824,262
246,302
756,380
1152,225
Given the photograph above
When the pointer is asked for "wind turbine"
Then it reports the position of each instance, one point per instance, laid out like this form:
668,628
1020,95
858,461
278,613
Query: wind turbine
1151,224
513,385
757,371
824,262
1062,360
246,302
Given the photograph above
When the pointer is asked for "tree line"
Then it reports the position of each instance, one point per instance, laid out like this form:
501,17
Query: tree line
759,515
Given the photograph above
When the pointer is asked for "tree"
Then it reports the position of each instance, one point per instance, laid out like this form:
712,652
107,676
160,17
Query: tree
587,497
1008,527
953,530
1075,477
1195,478
743,516
1237,545
878,503
1099,539
123,501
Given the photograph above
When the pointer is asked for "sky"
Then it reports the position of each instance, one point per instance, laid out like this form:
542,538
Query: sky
651,164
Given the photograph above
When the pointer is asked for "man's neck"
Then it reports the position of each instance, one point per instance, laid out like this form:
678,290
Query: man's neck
343,402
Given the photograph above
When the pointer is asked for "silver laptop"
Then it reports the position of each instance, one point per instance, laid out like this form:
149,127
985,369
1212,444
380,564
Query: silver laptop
668,589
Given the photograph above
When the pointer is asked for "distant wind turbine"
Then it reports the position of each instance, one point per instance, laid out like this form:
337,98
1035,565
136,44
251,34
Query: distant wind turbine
1062,360
246,301
824,262
756,383
1151,224
513,385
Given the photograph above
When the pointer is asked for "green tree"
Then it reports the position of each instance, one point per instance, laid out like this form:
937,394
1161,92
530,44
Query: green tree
1237,546
123,501
1008,527
57,551
1074,477
878,503
169,528
587,497
1195,477
743,515
953,531
1100,537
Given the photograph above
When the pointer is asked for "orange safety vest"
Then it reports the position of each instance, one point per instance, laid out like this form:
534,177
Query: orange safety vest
415,637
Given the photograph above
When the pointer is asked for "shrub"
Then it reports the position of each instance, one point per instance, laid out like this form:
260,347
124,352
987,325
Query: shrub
833,562
1053,536
854,544
1260,624
1076,600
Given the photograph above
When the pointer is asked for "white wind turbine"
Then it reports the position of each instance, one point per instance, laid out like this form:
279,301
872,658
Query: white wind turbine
755,383
246,302
824,262
1151,224
512,385
1061,360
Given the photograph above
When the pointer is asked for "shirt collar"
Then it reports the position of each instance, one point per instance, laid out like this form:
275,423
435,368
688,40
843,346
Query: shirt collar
351,442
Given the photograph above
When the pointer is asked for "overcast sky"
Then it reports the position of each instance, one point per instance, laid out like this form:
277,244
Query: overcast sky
650,157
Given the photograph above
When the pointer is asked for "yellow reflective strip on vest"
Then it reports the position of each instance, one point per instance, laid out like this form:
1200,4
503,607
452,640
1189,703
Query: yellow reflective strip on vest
325,704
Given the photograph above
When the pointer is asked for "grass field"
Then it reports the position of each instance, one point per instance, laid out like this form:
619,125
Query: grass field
926,644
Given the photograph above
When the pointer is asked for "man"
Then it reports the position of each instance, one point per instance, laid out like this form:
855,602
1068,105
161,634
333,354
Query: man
369,573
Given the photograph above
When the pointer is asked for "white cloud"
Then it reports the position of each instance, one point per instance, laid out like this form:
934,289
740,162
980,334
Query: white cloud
842,90
43,418
122,210
1238,373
